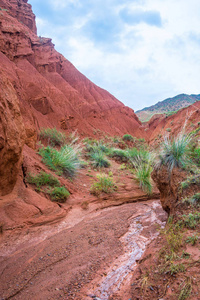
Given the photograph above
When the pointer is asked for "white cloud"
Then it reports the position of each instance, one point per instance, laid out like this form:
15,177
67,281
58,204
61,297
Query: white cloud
138,63
59,4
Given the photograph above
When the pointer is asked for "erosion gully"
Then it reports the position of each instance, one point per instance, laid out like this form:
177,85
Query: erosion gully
89,255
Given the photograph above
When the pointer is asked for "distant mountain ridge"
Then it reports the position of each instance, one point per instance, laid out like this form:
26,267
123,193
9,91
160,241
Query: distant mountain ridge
167,105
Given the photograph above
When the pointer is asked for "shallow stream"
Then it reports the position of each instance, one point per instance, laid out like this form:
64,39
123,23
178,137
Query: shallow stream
144,227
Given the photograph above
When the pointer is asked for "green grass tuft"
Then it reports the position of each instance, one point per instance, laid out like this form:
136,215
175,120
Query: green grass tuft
175,152
64,161
119,154
50,185
99,160
128,137
42,179
53,136
104,184
59,194
142,163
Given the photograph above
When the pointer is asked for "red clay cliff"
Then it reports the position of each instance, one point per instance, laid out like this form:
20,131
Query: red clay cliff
40,88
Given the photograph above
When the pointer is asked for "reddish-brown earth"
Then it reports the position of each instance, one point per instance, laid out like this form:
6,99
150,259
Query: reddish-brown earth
169,269
61,262
51,91
77,249
40,88
160,126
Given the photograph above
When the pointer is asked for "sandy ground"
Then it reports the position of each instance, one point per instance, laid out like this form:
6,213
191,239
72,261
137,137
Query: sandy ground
75,258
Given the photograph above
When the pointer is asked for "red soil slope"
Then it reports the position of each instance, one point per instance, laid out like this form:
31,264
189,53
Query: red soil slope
40,88
51,91
188,117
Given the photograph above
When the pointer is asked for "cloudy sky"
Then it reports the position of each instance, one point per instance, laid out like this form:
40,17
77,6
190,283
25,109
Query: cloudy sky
141,51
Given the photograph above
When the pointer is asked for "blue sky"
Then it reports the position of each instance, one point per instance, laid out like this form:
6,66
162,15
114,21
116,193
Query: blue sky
141,51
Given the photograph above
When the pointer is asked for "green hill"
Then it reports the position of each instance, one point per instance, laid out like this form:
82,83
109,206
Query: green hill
167,106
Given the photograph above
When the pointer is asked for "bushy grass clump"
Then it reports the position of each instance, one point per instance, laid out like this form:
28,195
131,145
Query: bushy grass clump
64,161
175,151
119,154
143,175
128,137
50,185
136,155
93,146
96,151
104,184
53,136
142,162
99,160
42,179
59,194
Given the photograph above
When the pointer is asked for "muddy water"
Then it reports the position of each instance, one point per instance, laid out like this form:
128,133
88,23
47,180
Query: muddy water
142,230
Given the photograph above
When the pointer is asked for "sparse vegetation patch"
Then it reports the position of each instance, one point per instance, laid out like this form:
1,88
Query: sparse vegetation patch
103,184
128,137
175,152
52,136
42,179
50,185
64,161
59,194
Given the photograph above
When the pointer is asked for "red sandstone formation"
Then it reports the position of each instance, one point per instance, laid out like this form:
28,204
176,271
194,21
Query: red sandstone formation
188,117
20,10
40,88
168,185
12,135
52,92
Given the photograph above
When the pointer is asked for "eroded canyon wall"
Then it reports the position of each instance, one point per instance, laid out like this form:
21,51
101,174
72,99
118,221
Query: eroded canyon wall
41,88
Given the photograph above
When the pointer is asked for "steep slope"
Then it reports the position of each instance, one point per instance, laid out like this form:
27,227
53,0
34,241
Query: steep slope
51,91
188,118
166,106
40,88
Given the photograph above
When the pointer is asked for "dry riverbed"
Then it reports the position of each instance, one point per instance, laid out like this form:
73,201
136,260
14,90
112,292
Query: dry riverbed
89,255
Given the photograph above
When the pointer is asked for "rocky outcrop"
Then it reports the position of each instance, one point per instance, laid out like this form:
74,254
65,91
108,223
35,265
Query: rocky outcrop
53,93
20,10
168,183
12,135
187,117
40,88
